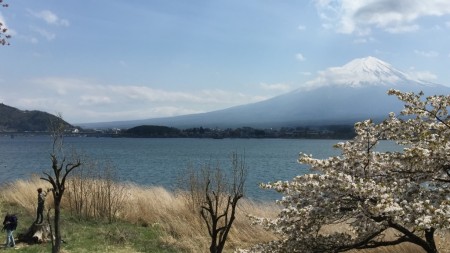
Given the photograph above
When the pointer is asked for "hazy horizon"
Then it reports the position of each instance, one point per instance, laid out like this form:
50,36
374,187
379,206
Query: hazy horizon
102,61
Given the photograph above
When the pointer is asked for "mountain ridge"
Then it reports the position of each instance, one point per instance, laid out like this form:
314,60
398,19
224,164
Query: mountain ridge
339,95
15,120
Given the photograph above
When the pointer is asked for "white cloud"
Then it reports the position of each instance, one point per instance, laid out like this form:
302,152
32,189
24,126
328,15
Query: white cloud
428,54
301,27
145,93
29,38
279,87
133,114
402,28
94,100
90,101
360,41
171,111
44,33
423,75
393,16
300,57
363,40
49,17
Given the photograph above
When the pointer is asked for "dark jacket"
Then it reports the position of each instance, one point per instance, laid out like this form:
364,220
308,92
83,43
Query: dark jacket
10,222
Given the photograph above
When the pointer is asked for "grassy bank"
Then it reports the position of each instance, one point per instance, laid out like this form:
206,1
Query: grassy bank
151,219
93,236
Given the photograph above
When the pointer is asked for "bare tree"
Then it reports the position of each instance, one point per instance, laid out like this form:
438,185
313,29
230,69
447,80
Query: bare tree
61,168
218,192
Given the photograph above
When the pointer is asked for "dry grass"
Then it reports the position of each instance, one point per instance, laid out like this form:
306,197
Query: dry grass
182,226
441,241
171,212
24,193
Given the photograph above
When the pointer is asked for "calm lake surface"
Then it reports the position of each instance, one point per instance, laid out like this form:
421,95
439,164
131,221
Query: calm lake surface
155,161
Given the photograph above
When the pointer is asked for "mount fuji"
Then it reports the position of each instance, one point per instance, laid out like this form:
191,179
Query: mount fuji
338,95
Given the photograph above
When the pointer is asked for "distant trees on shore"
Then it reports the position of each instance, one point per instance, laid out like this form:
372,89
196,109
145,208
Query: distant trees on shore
150,131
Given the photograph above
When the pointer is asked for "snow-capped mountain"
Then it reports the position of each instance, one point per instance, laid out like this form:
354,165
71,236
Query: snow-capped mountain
338,95
369,71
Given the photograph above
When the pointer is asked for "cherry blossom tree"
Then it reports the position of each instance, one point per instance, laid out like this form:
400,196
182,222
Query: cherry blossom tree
352,201
4,36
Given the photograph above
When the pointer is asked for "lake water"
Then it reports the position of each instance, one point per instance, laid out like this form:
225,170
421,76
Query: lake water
156,161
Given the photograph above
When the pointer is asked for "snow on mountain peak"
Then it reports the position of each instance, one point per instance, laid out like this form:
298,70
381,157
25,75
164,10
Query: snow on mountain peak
369,71
368,65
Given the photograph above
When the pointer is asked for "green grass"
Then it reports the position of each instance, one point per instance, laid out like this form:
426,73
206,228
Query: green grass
91,235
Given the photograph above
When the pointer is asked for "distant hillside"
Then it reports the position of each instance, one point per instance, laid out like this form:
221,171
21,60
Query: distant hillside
15,120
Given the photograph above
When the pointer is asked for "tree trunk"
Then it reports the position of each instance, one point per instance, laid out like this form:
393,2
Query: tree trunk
429,237
36,233
57,243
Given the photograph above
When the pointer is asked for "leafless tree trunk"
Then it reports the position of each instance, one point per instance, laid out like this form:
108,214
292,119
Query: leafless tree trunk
61,168
219,194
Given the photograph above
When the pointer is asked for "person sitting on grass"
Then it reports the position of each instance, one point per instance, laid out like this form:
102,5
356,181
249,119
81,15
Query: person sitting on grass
10,224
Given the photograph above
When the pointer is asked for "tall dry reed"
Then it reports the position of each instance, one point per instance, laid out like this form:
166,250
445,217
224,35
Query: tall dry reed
24,193
171,212
182,226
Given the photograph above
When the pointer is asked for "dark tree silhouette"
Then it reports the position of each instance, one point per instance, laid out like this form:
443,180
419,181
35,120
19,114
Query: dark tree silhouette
216,193
62,166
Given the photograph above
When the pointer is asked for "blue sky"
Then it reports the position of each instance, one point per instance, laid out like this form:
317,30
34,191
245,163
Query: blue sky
98,60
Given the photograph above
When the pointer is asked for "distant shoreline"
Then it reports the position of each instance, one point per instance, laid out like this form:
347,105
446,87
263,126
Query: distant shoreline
111,135
152,131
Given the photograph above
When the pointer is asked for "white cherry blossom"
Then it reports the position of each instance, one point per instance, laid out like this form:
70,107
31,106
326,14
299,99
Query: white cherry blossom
368,191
